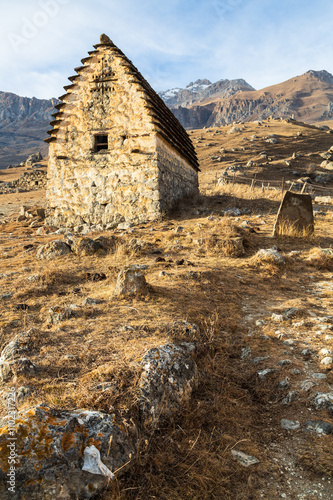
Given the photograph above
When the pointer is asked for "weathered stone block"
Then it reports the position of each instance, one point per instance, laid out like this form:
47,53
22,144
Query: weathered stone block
295,215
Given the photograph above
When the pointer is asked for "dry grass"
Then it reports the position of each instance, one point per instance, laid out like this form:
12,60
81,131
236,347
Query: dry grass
244,191
321,259
91,359
293,230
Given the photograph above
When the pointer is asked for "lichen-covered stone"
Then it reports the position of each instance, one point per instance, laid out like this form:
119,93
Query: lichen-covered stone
50,448
53,249
167,380
131,281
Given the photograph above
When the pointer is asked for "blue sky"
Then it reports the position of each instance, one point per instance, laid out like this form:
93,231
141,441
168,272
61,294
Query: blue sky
172,42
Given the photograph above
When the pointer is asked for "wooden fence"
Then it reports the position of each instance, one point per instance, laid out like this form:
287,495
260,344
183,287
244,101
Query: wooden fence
283,185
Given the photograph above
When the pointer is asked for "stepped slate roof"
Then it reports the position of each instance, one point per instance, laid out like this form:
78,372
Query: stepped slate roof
166,124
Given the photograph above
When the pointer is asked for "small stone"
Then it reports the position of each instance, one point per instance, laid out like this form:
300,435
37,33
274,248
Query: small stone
324,400
284,362
284,384
328,360
244,459
290,397
131,281
262,373
320,427
88,301
277,318
307,385
33,277
289,342
167,380
53,249
85,246
259,360
260,322
289,425
306,352
245,352
6,295
295,371
319,376
325,352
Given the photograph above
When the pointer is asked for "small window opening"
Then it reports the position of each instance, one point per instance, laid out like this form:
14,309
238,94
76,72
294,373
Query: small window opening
101,142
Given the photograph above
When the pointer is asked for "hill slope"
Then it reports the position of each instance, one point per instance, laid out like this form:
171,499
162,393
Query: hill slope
308,97
23,125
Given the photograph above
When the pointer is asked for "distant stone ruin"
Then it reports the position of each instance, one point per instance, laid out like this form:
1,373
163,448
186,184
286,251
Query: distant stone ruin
28,181
295,215
117,153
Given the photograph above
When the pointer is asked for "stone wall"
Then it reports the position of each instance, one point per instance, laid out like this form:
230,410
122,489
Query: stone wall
130,180
28,181
177,178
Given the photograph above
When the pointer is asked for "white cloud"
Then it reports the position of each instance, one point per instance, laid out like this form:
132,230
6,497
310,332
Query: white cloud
170,42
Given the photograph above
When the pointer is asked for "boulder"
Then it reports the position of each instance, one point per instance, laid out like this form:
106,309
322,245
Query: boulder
50,448
53,249
21,366
131,281
85,246
167,380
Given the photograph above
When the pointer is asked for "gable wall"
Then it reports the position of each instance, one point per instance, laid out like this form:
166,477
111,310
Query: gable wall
138,177
104,187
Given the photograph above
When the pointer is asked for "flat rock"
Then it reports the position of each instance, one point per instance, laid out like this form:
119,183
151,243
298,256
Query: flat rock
244,459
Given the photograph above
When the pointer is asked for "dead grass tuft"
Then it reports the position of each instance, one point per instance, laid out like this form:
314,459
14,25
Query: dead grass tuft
293,230
321,258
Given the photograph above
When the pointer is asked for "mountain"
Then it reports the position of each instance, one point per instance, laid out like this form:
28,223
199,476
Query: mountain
23,125
308,97
203,89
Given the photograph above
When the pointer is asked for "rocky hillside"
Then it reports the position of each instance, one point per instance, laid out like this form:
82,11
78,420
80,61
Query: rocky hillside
23,125
308,97
201,90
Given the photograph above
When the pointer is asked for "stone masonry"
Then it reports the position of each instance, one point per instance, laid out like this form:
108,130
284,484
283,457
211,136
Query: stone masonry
117,153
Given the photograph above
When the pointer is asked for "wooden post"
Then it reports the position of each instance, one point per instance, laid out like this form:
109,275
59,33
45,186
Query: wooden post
291,186
304,188
253,182
282,185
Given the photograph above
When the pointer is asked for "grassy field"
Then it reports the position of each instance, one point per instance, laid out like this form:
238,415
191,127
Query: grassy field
224,288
